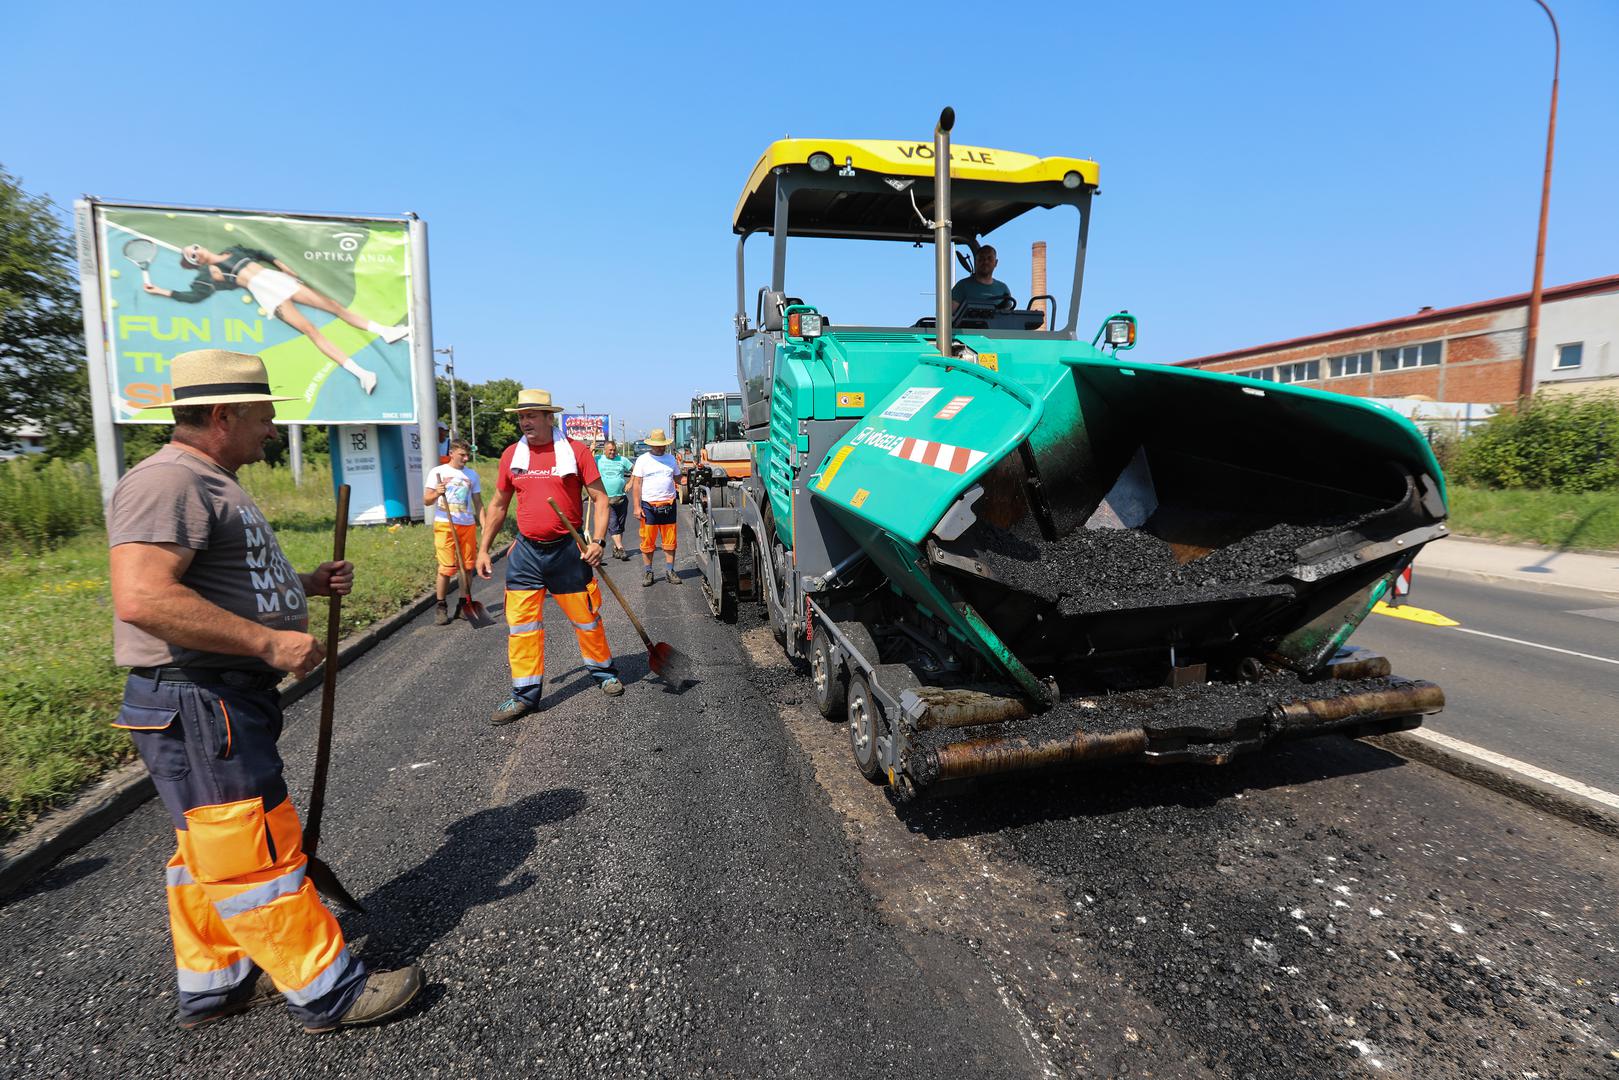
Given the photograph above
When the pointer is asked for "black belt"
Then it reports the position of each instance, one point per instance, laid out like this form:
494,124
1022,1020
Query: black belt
237,680
548,545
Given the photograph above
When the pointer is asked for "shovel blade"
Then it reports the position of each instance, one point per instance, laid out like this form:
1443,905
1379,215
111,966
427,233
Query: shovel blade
671,664
327,885
474,612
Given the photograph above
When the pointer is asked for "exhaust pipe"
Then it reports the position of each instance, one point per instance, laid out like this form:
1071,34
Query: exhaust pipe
941,231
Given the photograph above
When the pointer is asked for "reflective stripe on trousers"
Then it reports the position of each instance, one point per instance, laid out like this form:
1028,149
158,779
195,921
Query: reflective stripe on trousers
238,896
525,641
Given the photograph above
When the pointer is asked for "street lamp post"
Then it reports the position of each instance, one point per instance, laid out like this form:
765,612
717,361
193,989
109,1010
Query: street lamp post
472,420
1526,381
449,366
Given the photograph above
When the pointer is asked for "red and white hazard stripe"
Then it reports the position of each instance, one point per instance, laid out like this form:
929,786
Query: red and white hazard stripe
956,459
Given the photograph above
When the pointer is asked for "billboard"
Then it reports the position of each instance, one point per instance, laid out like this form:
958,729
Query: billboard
324,301
588,428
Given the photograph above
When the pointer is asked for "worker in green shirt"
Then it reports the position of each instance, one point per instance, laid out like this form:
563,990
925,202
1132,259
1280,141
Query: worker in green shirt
982,290
615,472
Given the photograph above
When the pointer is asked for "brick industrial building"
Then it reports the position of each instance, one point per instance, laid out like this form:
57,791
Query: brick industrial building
1471,353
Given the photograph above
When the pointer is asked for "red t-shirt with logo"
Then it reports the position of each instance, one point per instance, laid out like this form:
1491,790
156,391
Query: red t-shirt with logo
534,485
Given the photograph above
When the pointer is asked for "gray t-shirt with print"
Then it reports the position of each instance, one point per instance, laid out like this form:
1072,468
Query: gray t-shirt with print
176,497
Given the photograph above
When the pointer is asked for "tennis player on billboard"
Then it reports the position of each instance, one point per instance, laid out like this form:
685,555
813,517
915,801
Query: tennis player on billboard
324,301
277,289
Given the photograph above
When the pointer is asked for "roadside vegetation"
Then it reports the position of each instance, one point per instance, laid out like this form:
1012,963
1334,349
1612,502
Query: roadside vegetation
1545,473
58,685
1556,519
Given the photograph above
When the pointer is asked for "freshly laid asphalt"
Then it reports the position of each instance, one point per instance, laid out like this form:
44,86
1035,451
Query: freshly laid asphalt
701,884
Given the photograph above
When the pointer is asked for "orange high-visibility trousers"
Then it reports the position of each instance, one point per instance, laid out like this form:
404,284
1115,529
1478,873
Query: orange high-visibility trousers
238,895
533,570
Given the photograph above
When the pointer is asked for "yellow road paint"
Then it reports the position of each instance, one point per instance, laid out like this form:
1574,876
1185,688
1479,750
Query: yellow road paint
1414,614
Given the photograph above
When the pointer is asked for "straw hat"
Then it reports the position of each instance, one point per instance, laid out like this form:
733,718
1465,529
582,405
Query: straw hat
656,437
217,377
535,399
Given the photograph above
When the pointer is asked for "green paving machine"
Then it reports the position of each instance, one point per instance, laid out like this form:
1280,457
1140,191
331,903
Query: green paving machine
1000,547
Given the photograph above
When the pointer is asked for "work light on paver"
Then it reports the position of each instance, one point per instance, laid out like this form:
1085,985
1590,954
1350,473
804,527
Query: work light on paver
1071,179
820,161
804,324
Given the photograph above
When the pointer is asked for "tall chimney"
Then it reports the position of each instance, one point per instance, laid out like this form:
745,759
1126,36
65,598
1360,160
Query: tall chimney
1037,285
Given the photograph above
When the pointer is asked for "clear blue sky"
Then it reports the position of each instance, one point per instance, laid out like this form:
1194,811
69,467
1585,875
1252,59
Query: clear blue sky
1268,168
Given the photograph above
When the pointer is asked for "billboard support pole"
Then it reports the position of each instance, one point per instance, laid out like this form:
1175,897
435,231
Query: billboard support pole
421,340
295,453
109,439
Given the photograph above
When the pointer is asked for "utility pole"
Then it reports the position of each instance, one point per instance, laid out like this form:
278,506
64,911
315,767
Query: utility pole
449,366
472,418
1526,382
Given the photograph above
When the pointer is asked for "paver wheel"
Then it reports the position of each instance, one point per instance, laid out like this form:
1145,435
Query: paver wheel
865,725
831,682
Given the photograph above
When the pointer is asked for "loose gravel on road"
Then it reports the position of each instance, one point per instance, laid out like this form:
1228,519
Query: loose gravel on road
700,884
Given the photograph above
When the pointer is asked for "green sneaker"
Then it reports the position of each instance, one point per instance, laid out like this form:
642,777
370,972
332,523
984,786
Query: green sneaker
514,708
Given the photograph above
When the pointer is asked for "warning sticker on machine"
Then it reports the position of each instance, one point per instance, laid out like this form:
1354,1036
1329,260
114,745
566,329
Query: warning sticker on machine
949,411
910,403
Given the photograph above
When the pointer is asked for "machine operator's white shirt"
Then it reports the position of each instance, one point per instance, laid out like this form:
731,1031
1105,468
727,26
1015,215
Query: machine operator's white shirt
657,473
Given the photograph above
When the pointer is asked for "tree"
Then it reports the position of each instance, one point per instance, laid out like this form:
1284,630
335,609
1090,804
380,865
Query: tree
497,429
42,369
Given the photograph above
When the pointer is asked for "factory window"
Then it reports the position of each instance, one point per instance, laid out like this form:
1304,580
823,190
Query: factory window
1408,356
1264,374
1303,371
1353,364
1569,356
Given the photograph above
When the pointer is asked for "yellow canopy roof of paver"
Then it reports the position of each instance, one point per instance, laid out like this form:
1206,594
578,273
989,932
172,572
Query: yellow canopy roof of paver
755,208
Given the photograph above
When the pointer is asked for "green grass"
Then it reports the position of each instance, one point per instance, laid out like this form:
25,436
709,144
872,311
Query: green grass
1556,519
58,686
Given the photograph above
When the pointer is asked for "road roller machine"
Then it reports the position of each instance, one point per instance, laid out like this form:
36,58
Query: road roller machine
998,546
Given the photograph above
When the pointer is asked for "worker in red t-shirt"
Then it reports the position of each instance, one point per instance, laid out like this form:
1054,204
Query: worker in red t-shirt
544,465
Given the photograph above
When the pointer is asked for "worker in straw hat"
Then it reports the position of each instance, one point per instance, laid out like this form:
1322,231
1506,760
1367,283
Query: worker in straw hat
653,496
544,465
208,615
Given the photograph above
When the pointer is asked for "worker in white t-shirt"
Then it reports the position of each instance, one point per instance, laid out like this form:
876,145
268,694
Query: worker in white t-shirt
456,487
653,495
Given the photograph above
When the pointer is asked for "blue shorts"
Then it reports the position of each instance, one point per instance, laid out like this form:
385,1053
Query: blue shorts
618,510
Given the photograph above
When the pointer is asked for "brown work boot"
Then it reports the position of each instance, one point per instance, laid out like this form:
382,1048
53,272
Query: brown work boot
441,616
384,996
251,994
513,708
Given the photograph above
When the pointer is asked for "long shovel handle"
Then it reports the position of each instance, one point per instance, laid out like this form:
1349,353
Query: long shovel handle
573,532
328,690
455,545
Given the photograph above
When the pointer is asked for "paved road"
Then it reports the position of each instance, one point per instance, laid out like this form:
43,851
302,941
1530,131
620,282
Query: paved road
1554,709
702,885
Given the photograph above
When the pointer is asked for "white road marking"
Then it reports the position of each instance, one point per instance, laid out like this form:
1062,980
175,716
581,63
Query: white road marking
1609,613
1533,772
1536,645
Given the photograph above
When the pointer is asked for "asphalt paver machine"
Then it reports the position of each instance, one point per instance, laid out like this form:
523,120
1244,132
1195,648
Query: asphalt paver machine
999,547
